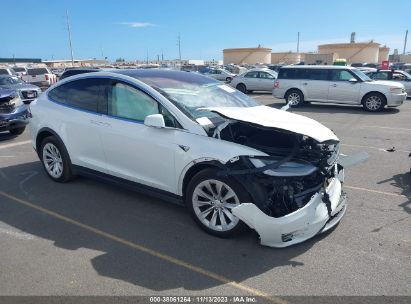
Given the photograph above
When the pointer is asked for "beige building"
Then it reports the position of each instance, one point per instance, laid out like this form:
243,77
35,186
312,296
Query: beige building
383,54
247,55
316,58
365,52
286,58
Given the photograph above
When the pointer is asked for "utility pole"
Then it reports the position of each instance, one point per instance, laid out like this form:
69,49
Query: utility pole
405,42
179,47
69,34
298,42
147,57
162,56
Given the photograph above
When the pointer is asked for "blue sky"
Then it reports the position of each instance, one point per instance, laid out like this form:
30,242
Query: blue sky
131,28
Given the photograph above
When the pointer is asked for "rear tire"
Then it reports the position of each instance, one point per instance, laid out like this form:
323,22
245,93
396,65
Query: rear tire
55,159
17,131
241,87
228,79
374,102
210,198
294,98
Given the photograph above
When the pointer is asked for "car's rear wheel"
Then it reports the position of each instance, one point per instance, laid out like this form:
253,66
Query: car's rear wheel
210,199
55,159
228,79
294,98
17,131
374,102
241,87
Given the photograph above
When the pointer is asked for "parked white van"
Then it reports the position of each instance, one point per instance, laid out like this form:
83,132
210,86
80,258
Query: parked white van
336,84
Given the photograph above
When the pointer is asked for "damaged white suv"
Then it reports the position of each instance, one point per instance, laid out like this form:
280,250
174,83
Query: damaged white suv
190,138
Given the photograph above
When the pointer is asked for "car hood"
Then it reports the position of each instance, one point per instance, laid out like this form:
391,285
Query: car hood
390,83
278,119
22,86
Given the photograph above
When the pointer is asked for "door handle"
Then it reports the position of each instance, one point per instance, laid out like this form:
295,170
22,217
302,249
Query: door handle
305,83
100,123
334,85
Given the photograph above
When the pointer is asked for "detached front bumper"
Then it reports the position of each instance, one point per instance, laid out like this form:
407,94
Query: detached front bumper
303,223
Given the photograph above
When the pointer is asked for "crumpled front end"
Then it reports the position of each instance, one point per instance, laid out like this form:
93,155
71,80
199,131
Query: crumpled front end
324,210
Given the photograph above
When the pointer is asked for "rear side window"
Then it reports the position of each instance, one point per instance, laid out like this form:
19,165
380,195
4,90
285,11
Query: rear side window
317,74
251,75
88,94
4,72
37,71
287,73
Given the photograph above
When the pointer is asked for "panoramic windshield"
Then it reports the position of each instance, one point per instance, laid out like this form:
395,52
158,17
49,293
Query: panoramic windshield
361,75
192,96
10,80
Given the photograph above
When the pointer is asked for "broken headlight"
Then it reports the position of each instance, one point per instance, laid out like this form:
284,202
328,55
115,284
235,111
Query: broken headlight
287,169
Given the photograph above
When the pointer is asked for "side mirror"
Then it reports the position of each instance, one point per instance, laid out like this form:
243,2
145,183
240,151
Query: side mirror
353,80
155,120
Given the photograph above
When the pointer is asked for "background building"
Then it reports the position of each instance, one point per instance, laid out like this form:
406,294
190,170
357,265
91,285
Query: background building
363,52
247,55
286,58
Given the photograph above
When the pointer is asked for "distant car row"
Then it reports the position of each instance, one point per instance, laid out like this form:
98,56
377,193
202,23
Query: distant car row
37,76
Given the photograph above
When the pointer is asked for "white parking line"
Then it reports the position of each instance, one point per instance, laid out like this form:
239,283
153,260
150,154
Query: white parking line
390,128
374,148
375,191
20,143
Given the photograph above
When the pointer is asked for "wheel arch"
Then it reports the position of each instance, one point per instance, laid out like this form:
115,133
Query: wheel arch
256,191
374,92
46,132
294,89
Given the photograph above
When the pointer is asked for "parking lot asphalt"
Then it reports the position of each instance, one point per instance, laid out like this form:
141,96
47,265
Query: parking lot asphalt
90,238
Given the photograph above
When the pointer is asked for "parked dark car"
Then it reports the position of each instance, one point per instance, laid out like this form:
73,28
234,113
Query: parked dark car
14,115
28,92
76,71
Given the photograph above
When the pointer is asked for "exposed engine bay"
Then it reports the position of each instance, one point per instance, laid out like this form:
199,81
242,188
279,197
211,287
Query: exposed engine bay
297,166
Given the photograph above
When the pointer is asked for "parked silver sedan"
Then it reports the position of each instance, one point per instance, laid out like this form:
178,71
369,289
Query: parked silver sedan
220,74
255,80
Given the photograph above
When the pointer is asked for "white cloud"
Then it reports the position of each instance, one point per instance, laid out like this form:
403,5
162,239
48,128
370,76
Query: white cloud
138,24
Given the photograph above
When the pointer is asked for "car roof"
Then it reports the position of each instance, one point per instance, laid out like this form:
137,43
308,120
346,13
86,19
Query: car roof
160,73
318,67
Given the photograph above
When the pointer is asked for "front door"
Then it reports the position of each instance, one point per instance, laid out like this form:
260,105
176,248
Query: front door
342,90
133,150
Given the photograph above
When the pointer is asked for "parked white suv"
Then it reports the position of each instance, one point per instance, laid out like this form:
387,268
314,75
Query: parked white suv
190,138
336,84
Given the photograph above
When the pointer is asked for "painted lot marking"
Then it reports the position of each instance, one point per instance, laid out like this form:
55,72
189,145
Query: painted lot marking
147,250
374,148
375,191
20,143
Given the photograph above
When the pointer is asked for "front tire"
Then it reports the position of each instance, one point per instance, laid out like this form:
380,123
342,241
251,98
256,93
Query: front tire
55,159
241,87
294,98
210,198
17,131
374,102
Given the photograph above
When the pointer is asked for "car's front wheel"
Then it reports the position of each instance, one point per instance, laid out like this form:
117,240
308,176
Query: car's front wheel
241,87
210,199
55,160
374,102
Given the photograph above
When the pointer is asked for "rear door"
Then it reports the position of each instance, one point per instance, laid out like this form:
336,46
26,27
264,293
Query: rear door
341,89
316,84
251,80
135,151
81,121
266,81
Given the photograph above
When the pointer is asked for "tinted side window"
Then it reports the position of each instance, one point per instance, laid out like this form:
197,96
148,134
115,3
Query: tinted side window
4,72
130,103
265,75
87,94
341,75
287,74
251,75
317,74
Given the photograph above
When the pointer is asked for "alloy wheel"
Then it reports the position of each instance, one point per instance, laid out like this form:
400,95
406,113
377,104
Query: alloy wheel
212,202
294,99
373,103
52,160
